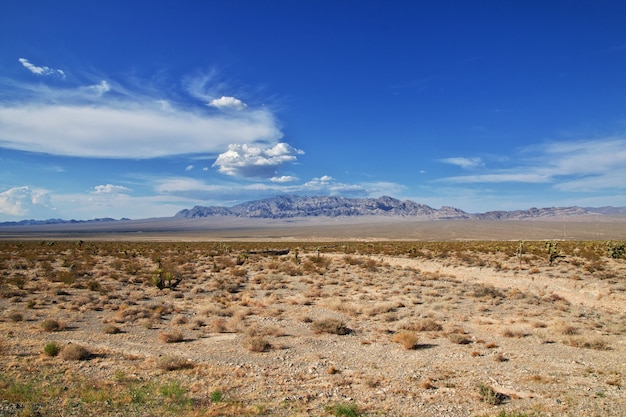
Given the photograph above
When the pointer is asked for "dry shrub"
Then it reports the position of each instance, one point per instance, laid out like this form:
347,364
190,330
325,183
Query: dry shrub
172,337
596,343
15,316
423,325
567,329
75,353
51,325
459,339
111,329
329,325
519,333
407,339
174,363
180,319
257,344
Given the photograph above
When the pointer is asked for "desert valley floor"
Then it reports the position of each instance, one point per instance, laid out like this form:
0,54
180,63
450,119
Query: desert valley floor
327,321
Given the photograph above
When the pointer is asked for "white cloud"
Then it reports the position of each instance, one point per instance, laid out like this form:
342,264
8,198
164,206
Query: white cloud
140,131
22,201
465,163
584,166
110,119
228,103
40,70
189,168
100,88
111,189
254,161
283,179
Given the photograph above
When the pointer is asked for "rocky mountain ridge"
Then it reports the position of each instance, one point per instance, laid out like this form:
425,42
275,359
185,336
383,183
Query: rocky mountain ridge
288,206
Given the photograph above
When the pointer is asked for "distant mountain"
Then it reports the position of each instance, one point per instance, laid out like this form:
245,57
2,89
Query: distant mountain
288,206
57,221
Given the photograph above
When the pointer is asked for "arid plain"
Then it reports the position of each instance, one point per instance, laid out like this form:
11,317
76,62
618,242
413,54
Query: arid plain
373,317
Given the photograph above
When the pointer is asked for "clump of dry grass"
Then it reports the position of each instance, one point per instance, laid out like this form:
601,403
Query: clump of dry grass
581,342
74,352
329,325
111,329
407,339
174,363
51,325
422,325
257,344
171,337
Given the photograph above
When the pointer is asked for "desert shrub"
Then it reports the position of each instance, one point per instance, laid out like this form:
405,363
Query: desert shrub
257,344
486,291
111,329
489,395
597,343
171,337
423,325
50,325
93,285
51,349
407,339
216,396
75,353
515,333
174,363
344,410
459,338
15,316
329,325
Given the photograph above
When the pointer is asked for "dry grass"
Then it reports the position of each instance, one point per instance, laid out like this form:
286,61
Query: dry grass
474,308
407,339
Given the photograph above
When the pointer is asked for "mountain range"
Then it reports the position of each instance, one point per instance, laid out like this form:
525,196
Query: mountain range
288,206
291,206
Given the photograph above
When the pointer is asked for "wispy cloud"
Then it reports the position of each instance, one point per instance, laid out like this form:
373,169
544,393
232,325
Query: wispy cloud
40,70
465,163
584,166
255,161
111,189
110,119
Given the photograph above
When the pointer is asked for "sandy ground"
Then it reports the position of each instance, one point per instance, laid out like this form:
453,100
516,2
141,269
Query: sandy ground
493,335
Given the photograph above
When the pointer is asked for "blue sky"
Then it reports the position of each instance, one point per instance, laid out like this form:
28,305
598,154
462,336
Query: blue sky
139,109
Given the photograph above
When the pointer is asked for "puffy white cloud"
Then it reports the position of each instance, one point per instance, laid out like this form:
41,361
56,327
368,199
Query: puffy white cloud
465,163
254,161
228,103
21,201
111,189
40,70
189,168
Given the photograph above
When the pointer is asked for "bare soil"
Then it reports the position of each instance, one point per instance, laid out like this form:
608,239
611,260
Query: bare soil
489,332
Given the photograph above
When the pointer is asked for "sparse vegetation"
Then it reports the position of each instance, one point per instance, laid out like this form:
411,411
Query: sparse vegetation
481,305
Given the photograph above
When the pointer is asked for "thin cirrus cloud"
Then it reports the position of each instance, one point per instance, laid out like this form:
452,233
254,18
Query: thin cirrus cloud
106,120
584,166
465,163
